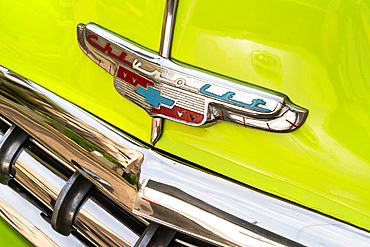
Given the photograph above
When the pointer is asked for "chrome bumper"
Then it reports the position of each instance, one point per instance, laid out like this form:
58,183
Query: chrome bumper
134,185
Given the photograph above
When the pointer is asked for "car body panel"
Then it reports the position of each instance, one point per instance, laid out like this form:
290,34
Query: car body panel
10,237
317,53
319,61
42,35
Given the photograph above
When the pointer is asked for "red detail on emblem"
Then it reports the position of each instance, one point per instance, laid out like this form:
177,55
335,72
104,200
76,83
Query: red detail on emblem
143,213
291,123
269,127
132,78
145,199
244,121
107,47
188,116
222,115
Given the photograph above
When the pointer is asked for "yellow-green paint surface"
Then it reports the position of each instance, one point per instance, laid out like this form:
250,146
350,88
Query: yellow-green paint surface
315,52
10,237
39,42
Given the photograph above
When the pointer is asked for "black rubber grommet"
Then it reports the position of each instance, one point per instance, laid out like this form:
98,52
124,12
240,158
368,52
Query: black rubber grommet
10,148
68,203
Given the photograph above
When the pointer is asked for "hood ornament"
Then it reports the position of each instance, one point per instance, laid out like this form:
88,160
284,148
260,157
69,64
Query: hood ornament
168,90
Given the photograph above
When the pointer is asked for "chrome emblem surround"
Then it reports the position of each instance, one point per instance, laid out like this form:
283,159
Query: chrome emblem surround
166,89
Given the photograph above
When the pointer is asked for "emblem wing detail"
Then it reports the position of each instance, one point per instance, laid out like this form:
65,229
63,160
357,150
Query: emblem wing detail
166,89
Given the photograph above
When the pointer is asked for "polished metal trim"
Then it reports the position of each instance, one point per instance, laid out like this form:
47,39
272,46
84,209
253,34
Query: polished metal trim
169,190
34,235
164,51
26,218
167,28
103,227
112,167
38,180
91,220
157,124
166,89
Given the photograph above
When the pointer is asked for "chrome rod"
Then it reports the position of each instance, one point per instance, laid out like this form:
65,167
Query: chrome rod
167,28
157,125
164,51
44,183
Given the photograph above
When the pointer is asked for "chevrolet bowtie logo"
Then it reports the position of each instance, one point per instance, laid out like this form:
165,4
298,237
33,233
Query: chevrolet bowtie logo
168,90
153,97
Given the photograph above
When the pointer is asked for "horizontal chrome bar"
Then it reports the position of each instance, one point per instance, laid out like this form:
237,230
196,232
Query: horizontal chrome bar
80,145
26,218
34,230
102,224
39,180
93,220
178,196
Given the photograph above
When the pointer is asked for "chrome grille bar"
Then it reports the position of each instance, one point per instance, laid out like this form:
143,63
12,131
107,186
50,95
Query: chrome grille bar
25,214
168,189
20,214
45,181
47,185
38,179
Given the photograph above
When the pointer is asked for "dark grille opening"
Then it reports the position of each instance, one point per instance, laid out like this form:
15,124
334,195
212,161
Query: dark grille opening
46,215
122,215
16,186
4,124
48,161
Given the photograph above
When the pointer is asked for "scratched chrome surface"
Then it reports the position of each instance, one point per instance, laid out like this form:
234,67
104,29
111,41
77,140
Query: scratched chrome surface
165,89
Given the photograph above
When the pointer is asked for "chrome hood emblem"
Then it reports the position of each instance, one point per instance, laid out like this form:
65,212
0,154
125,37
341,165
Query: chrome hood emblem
166,89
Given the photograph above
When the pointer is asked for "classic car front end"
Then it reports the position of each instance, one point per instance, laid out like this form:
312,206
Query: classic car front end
185,123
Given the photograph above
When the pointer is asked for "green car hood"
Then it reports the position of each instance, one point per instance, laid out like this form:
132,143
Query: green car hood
315,52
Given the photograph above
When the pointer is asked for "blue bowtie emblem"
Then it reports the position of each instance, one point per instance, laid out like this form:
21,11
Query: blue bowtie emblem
153,97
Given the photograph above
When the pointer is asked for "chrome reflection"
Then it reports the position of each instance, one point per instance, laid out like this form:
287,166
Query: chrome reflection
28,230
73,135
26,219
37,178
92,220
113,168
46,185
106,227
157,124
172,194
171,205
